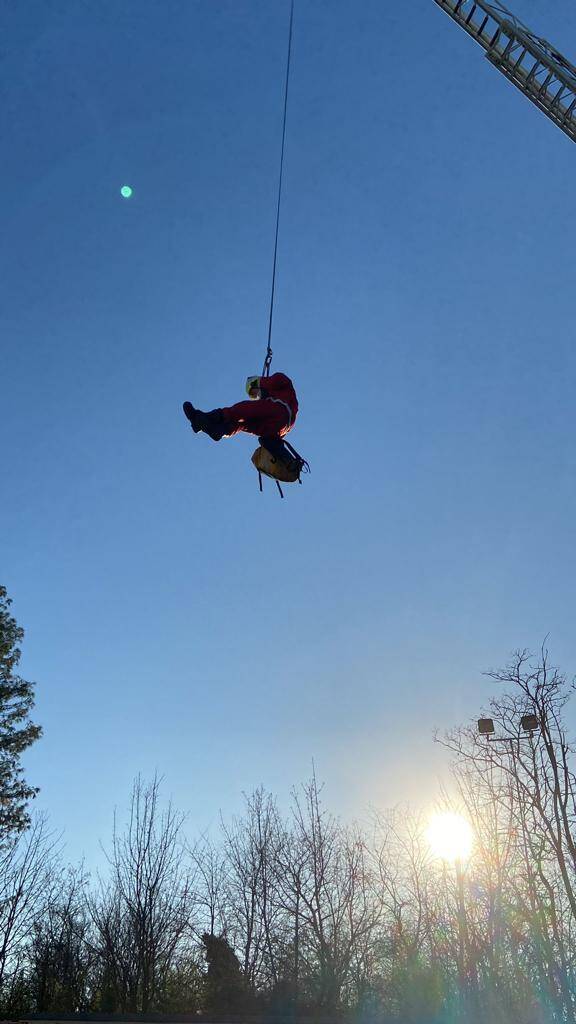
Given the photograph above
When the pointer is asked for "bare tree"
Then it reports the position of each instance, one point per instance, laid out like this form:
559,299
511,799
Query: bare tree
27,883
144,913
250,845
327,882
526,781
60,958
209,866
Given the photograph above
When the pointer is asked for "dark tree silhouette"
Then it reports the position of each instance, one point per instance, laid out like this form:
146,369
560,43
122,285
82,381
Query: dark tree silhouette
225,986
59,953
17,732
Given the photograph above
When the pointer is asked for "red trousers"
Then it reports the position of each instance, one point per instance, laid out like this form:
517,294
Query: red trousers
264,418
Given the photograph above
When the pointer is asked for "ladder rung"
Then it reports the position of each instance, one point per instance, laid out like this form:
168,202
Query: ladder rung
495,37
520,58
558,97
568,113
534,71
472,13
543,88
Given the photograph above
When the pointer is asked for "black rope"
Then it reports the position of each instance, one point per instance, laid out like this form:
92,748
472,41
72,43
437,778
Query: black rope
268,359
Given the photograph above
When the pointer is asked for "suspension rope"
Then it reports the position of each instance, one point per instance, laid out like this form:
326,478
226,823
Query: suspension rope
268,359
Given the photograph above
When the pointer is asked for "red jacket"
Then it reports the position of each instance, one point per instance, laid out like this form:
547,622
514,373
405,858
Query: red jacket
279,387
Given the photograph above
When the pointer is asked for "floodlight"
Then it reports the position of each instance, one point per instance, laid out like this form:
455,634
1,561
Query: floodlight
486,726
529,723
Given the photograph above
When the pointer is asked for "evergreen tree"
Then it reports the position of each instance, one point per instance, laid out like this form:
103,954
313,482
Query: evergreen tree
225,986
17,732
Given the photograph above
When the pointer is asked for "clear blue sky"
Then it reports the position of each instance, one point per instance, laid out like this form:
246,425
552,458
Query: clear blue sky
175,618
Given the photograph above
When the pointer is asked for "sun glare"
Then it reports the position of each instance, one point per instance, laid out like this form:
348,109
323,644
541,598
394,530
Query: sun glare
450,837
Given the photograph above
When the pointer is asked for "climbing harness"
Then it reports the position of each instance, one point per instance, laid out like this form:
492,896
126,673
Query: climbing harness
277,459
268,359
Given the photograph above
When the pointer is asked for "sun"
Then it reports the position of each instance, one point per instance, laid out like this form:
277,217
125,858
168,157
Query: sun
450,836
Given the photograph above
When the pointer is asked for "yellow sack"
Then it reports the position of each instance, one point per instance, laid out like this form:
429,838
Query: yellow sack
287,470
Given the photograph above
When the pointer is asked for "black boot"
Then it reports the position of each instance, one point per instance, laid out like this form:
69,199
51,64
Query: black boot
211,423
191,414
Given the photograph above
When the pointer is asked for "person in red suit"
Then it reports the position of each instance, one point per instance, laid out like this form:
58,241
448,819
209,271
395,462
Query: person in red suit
270,412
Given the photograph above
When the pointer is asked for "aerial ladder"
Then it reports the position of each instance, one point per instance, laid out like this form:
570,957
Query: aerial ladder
529,62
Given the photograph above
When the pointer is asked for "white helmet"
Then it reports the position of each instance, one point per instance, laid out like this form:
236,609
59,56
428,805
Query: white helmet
253,388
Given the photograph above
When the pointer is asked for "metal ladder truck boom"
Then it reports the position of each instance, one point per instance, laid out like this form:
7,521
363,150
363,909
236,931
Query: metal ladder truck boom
529,62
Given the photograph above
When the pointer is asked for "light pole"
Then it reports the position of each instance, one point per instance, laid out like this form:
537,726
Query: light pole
529,726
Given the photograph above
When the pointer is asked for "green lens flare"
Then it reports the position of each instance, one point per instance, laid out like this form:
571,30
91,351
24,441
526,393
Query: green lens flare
126,191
